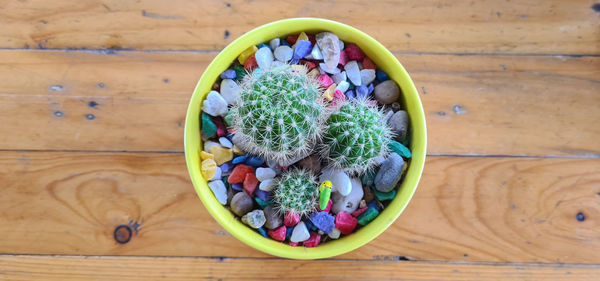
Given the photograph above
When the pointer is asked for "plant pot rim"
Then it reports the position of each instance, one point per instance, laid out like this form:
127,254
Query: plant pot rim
384,60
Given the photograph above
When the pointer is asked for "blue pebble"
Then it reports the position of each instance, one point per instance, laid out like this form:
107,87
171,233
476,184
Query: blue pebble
323,221
229,136
263,231
228,74
226,167
381,76
289,230
350,94
362,91
373,204
240,159
309,225
371,88
237,186
264,45
254,161
263,195
284,42
303,48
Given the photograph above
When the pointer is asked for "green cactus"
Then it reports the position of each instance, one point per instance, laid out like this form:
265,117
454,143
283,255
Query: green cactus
355,136
280,114
296,192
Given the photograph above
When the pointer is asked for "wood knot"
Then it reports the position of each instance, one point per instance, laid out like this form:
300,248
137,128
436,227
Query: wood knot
122,234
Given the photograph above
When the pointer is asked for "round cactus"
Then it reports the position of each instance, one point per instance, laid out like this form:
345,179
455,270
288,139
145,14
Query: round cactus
280,114
296,192
355,136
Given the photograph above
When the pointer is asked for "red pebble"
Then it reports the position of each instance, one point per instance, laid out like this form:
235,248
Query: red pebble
345,223
250,64
359,212
221,129
354,52
312,39
250,183
291,219
278,233
325,80
294,244
343,58
238,175
311,65
313,241
292,39
328,208
369,64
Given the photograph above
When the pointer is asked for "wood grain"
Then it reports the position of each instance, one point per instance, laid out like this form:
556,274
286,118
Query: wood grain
485,26
487,105
179,268
466,209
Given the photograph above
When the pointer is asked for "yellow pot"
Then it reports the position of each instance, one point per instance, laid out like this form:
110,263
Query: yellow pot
384,61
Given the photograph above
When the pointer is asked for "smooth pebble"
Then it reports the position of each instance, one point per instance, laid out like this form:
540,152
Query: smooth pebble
219,190
264,57
241,203
274,43
387,92
367,76
283,53
267,185
390,173
353,72
300,233
263,174
274,220
230,91
399,123
225,142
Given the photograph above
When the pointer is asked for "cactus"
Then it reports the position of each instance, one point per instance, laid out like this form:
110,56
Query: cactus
355,136
296,192
280,114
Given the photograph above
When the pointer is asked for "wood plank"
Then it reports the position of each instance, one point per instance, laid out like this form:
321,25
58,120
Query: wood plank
485,26
180,268
498,105
466,209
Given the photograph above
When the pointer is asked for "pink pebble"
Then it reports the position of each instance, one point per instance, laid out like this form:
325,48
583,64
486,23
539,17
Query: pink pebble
354,52
313,241
338,98
294,244
359,212
325,80
291,219
345,223
343,58
278,233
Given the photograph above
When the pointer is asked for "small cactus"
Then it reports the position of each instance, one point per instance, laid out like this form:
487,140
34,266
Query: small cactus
355,136
280,114
296,192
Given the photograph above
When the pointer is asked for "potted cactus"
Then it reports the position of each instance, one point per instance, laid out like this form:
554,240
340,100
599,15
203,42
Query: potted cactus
305,139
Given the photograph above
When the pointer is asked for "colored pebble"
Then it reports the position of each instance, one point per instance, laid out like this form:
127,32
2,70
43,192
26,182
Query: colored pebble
369,64
263,195
300,233
323,221
384,196
264,57
329,44
229,74
313,73
218,174
294,244
345,223
387,92
221,154
205,155
389,173
241,203
208,126
338,97
291,219
291,39
288,232
221,128
263,174
263,231
375,204
367,76
334,234
239,159
273,219
359,211
225,142
250,183
343,58
302,36
284,53
348,203
250,64
325,80
315,53
254,219
236,186
219,190
230,91
246,54
254,161
350,94
381,76
208,168
267,185
278,234
339,77
340,181
400,149
239,72
343,86
308,224
303,48
353,72
369,215
328,94
262,203
238,175
371,88
313,240
362,91
214,104
274,43
354,52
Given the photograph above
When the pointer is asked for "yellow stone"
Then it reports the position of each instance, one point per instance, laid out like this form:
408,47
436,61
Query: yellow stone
299,68
247,54
208,169
328,94
302,36
221,154
237,150
314,73
205,155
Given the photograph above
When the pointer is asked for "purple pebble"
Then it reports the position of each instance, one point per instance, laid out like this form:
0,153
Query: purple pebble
303,48
237,186
371,88
263,195
226,167
228,74
362,91
350,94
323,221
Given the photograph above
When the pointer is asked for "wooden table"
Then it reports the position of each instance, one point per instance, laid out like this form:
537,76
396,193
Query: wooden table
93,96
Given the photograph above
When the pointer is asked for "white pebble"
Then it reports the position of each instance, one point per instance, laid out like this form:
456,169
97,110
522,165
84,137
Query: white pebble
339,77
264,57
316,53
230,91
334,234
267,185
330,71
225,142
214,104
387,116
284,53
367,76
265,174
348,203
343,86
219,190
300,233
274,43
341,45
340,181
208,145
353,72
218,174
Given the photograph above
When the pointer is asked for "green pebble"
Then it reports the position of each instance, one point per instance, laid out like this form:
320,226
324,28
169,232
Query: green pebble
400,149
384,196
208,127
228,118
262,203
351,86
368,178
369,215
240,72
